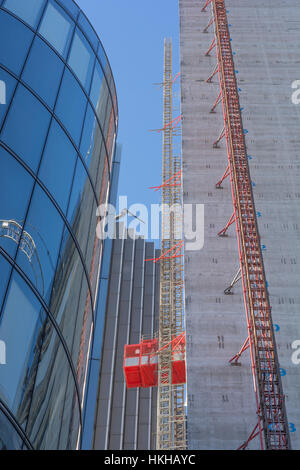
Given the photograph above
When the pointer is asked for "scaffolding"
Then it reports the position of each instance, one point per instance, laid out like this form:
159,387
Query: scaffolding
272,425
171,421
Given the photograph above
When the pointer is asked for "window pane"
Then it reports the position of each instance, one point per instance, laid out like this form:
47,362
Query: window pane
23,309
28,11
15,190
49,393
57,28
9,438
103,59
26,127
5,269
88,30
15,39
92,146
43,232
70,423
58,165
100,95
43,71
70,106
71,311
97,85
71,7
7,87
81,206
82,59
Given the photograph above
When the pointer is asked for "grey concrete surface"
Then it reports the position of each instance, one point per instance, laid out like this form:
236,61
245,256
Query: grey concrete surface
265,41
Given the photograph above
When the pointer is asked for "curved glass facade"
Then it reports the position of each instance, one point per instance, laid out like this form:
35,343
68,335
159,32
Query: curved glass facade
57,137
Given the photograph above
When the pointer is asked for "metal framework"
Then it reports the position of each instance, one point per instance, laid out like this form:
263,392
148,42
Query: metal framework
171,425
272,426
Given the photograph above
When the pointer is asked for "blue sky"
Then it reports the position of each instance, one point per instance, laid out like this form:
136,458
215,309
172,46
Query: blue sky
132,33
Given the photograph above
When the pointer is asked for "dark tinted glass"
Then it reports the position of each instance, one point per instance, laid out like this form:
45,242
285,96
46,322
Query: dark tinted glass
73,312
15,39
81,59
5,269
81,339
57,28
13,201
101,95
9,438
26,127
49,393
21,323
43,71
44,227
71,105
58,164
7,86
29,10
70,423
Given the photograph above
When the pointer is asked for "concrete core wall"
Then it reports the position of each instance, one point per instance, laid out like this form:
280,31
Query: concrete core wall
265,42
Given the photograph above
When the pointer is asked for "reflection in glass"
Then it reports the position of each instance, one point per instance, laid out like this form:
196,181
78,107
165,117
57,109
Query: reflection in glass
79,211
9,87
92,147
49,393
5,269
96,87
71,102
88,30
26,126
43,71
29,11
13,202
58,164
99,93
45,226
9,438
82,59
21,325
71,6
56,27
15,39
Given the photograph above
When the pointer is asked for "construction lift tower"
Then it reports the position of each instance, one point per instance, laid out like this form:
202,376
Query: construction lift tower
161,361
171,432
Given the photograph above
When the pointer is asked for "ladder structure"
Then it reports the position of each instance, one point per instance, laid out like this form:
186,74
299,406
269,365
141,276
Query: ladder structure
272,425
171,421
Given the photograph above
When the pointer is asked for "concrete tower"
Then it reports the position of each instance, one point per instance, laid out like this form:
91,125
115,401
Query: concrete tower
264,37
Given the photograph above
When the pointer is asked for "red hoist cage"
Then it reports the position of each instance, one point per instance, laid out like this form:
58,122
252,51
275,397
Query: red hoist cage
141,362
272,424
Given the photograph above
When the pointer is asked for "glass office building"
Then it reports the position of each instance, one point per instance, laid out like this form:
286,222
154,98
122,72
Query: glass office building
58,126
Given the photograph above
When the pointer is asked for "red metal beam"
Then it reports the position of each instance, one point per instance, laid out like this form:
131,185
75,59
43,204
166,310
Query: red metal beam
273,423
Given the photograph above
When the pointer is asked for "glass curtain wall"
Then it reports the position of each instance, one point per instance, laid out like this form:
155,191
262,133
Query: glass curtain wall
58,127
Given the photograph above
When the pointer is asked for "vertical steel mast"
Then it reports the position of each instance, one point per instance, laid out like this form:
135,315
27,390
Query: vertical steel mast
171,432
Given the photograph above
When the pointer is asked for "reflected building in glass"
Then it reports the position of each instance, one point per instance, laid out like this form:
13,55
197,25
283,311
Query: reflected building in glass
57,145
